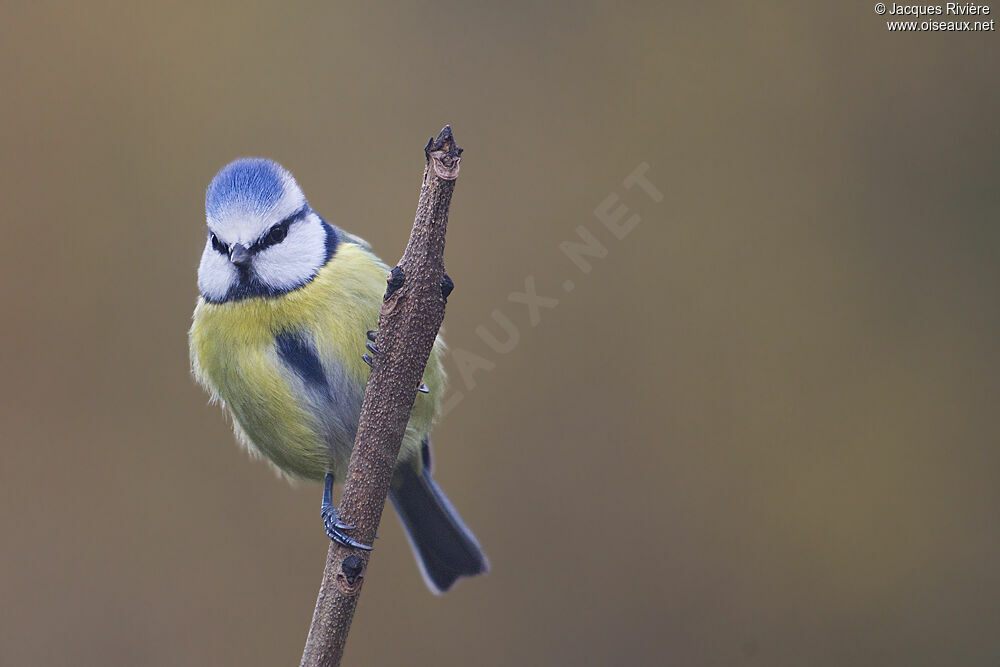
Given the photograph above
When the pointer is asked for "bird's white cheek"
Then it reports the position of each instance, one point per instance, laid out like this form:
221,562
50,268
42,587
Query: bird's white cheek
216,274
295,260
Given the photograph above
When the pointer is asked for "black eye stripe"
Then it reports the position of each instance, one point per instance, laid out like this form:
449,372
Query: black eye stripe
277,233
218,245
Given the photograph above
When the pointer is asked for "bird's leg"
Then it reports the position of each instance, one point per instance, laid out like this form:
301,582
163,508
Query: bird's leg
335,528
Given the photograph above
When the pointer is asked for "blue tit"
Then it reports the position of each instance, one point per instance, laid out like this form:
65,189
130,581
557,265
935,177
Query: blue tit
279,338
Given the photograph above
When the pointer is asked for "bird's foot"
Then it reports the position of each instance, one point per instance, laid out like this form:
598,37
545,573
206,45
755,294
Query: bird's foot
369,358
337,529
370,345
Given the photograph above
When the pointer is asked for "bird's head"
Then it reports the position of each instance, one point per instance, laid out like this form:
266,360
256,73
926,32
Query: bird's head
263,238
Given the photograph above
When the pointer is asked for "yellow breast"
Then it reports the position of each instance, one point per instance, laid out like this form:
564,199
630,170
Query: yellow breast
233,354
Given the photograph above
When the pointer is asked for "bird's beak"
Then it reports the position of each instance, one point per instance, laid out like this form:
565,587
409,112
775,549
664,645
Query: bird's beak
239,254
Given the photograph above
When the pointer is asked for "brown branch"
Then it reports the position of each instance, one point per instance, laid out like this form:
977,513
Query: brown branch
408,323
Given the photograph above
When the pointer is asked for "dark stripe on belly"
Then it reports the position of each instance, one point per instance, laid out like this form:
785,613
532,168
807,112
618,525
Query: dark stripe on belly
299,354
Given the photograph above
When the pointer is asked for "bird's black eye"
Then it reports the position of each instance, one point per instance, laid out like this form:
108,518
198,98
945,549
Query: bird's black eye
277,234
219,245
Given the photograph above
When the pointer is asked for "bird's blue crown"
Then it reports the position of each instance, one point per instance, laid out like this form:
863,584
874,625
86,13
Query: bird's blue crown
255,185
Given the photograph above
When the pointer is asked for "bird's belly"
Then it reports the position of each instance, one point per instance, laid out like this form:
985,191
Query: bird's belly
293,379
304,427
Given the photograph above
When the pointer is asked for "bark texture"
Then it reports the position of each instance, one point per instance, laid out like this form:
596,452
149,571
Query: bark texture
409,320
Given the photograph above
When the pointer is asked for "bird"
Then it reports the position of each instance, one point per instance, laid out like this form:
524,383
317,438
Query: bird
281,337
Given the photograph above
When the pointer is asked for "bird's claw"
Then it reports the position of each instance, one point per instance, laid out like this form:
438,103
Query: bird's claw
423,388
331,518
337,530
370,335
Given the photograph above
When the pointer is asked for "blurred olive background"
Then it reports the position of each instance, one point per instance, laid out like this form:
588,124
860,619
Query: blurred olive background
762,430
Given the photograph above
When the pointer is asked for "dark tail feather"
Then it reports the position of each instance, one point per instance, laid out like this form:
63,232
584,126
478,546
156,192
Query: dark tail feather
445,549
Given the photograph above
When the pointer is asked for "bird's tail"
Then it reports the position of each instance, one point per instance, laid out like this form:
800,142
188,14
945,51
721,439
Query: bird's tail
444,547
